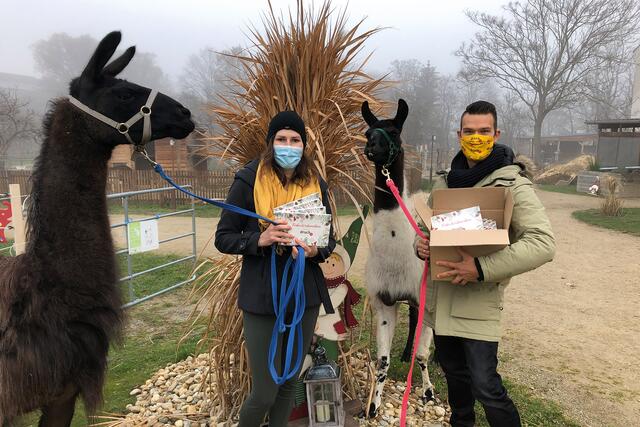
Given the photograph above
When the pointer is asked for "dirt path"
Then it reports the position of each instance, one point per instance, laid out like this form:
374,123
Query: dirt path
572,327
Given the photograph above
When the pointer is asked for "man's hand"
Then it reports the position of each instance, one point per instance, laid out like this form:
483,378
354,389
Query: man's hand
309,251
422,249
462,272
275,234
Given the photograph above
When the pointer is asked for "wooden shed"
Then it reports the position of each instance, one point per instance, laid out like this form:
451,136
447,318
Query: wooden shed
618,144
171,154
556,149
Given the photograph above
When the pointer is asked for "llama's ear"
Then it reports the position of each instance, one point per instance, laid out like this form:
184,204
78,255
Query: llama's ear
401,114
101,56
367,115
116,66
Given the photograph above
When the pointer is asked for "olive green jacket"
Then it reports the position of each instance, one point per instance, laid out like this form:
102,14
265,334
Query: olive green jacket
474,310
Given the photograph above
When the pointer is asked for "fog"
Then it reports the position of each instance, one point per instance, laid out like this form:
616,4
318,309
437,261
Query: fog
44,44
428,31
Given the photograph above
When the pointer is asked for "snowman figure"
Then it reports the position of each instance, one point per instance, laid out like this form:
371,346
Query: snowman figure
332,326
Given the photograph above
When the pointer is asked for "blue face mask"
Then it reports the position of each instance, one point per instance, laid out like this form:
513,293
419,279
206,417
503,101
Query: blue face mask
287,157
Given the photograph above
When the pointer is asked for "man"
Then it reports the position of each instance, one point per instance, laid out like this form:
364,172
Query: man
465,312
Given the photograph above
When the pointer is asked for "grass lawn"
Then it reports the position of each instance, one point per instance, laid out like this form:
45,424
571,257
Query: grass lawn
202,210
533,411
565,189
152,282
156,326
629,222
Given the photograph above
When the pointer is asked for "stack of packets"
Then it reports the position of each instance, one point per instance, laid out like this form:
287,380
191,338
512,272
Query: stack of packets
308,218
463,219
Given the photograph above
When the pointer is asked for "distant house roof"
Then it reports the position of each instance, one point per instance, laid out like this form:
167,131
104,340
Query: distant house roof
30,89
18,81
613,122
563,138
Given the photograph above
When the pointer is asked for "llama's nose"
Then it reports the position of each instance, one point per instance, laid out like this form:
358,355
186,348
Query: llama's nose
184,111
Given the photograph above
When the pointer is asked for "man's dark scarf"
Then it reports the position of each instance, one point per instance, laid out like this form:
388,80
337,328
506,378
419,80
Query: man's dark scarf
462,176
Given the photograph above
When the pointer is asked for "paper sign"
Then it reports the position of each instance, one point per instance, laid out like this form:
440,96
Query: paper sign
312,229
143,236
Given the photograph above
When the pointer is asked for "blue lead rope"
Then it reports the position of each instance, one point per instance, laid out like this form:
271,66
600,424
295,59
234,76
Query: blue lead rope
217,203
295,289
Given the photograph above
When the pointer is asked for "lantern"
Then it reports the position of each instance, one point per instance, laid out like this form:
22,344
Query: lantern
324,392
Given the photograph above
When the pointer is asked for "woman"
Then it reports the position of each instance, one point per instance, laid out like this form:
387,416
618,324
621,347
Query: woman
282,174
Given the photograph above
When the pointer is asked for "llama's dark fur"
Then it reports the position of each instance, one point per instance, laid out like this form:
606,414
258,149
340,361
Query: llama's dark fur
60,306
59,302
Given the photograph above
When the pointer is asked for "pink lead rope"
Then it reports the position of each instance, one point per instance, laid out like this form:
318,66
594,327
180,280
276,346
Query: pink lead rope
423,297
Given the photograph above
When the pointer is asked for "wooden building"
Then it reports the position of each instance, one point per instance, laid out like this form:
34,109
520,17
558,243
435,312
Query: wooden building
556,149
173,155
618,144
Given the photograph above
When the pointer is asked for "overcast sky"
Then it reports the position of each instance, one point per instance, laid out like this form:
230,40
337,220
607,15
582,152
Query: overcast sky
174,29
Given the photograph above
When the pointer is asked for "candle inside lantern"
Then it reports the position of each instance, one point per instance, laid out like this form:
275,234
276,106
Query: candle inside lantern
323,411
324,394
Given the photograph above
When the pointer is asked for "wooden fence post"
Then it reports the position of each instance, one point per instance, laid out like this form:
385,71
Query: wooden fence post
17,219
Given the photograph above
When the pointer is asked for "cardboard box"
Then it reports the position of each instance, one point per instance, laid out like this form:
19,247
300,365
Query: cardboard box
495,203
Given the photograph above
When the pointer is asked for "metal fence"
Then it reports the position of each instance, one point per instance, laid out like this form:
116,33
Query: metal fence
131,275
629,186
210,184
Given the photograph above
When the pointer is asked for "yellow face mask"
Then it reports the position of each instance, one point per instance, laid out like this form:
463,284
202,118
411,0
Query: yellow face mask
477,147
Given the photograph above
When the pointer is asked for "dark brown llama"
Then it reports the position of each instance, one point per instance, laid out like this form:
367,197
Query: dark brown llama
60,306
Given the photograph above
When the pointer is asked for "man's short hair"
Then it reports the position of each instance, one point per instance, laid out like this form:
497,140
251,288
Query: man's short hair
481,107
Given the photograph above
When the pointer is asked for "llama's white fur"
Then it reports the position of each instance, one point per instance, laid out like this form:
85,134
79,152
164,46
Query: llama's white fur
392,267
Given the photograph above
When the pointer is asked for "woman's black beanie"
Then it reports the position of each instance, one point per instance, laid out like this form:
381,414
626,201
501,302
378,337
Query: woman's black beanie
287,120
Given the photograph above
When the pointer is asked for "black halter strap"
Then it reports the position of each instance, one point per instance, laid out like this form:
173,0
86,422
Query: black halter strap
394,150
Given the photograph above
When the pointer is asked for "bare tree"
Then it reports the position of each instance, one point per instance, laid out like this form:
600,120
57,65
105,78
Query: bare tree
17,120
62,57
544,50
472,90
610,88
514,120
144,70
417,84
207,75
448,110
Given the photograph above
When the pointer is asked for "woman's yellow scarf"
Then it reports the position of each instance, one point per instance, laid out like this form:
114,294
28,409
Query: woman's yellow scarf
269,193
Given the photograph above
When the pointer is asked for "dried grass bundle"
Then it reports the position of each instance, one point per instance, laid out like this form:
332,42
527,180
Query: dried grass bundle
116,420
612,204
307,62
216,291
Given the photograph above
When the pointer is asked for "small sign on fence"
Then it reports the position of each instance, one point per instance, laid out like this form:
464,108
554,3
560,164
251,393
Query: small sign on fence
143,236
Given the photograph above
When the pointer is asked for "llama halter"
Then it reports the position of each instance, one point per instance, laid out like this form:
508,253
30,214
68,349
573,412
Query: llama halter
394,149
123,128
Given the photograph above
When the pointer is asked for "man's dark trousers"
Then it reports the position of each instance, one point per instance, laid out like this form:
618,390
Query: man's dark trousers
470,368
